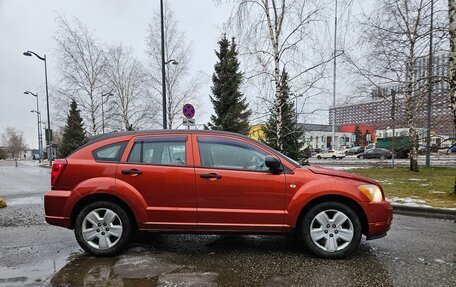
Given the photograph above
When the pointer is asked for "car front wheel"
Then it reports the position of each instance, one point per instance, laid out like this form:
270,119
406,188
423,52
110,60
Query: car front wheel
103,228
331,230
361,157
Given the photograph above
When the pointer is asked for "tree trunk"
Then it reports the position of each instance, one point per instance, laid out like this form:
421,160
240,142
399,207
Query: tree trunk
452,31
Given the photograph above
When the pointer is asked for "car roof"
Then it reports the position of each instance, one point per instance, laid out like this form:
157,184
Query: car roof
112,135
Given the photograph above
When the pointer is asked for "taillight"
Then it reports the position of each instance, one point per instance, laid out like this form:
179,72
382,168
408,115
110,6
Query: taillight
57,169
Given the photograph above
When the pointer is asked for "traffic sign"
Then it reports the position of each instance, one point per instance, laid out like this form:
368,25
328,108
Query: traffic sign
188,122
189,111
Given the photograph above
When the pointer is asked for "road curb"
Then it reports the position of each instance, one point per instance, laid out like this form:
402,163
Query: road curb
442,213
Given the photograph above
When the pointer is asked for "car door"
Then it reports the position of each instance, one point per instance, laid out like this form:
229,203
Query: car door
235,189
160,168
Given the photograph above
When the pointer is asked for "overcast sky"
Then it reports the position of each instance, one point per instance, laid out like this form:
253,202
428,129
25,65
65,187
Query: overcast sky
30,25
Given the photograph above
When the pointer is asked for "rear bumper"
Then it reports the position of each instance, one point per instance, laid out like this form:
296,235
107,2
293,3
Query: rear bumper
379,217
55,202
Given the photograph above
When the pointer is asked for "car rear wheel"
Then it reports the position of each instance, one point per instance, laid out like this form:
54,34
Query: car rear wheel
103,228
318,157
334,157
361,157
382,157
331,230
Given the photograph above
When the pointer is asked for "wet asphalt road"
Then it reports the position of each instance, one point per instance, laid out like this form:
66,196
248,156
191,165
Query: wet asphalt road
416,252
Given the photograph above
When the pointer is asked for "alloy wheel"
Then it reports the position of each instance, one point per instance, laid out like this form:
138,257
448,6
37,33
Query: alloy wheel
331,230
102,228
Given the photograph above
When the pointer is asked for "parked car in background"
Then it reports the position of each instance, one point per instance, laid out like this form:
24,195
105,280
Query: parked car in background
316,150
355,150
380,153
330,153
451,149
196,181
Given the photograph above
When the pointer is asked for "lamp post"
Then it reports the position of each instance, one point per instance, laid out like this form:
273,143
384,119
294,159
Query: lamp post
107,95
163,64
38,117
38,114
29,54
333,127
296,105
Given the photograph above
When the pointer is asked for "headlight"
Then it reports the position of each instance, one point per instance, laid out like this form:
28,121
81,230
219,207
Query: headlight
372,192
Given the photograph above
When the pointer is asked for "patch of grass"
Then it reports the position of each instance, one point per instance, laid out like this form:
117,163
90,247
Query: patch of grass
434,185
2,203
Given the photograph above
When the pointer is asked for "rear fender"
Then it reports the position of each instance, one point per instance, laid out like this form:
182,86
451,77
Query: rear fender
108,185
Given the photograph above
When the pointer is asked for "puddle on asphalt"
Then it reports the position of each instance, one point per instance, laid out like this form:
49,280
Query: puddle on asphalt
212,260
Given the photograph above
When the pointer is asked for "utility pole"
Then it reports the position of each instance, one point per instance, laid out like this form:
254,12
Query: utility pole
393,117
429,96
333,134
163,64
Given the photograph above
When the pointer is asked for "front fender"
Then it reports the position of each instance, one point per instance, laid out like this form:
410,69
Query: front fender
318,188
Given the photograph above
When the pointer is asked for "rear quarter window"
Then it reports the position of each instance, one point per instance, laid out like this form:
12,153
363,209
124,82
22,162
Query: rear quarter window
110,153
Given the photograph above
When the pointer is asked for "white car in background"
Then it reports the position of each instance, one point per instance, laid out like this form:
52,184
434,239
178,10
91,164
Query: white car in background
330,153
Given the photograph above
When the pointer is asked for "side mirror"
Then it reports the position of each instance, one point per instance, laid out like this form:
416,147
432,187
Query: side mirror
273,163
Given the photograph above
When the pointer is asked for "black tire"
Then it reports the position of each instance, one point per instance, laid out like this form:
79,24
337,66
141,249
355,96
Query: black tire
318,157
126,222
312,246
361,157
382,157
334,157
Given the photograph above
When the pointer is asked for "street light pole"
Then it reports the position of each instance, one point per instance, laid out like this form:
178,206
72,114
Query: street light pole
40,147
29,54
429,95
333,130
39,127
163,64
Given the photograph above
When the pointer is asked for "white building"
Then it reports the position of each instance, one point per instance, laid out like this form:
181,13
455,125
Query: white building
320,136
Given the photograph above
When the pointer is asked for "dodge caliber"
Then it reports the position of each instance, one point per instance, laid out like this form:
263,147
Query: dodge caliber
208,182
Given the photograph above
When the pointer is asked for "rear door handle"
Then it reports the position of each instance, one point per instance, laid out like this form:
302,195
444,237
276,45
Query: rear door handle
210,176
131,171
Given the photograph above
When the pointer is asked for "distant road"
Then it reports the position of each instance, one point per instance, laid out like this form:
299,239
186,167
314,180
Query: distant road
352,160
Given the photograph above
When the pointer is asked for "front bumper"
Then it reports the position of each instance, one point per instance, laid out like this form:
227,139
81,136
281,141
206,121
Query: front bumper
379,219
55,208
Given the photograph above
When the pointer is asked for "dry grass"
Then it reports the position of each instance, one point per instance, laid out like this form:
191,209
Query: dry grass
433,185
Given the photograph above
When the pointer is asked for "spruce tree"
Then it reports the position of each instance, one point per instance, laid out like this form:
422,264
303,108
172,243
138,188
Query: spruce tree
230,105
281,130
358,136
73,134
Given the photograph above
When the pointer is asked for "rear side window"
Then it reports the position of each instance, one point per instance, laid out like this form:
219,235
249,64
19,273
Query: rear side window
111,153
159,151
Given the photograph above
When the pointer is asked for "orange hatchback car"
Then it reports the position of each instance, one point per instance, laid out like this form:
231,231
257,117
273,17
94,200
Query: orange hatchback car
208,182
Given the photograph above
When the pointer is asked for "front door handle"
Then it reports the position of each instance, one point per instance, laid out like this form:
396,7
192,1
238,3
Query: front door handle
132,171
210,175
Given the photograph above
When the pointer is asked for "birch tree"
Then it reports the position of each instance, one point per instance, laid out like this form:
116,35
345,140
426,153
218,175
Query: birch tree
81,64
181,86
14,142
129,107
397,35
278,34
452,32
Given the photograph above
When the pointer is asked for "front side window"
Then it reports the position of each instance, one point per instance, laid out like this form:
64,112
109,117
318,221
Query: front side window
227,154
112,152
159,152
